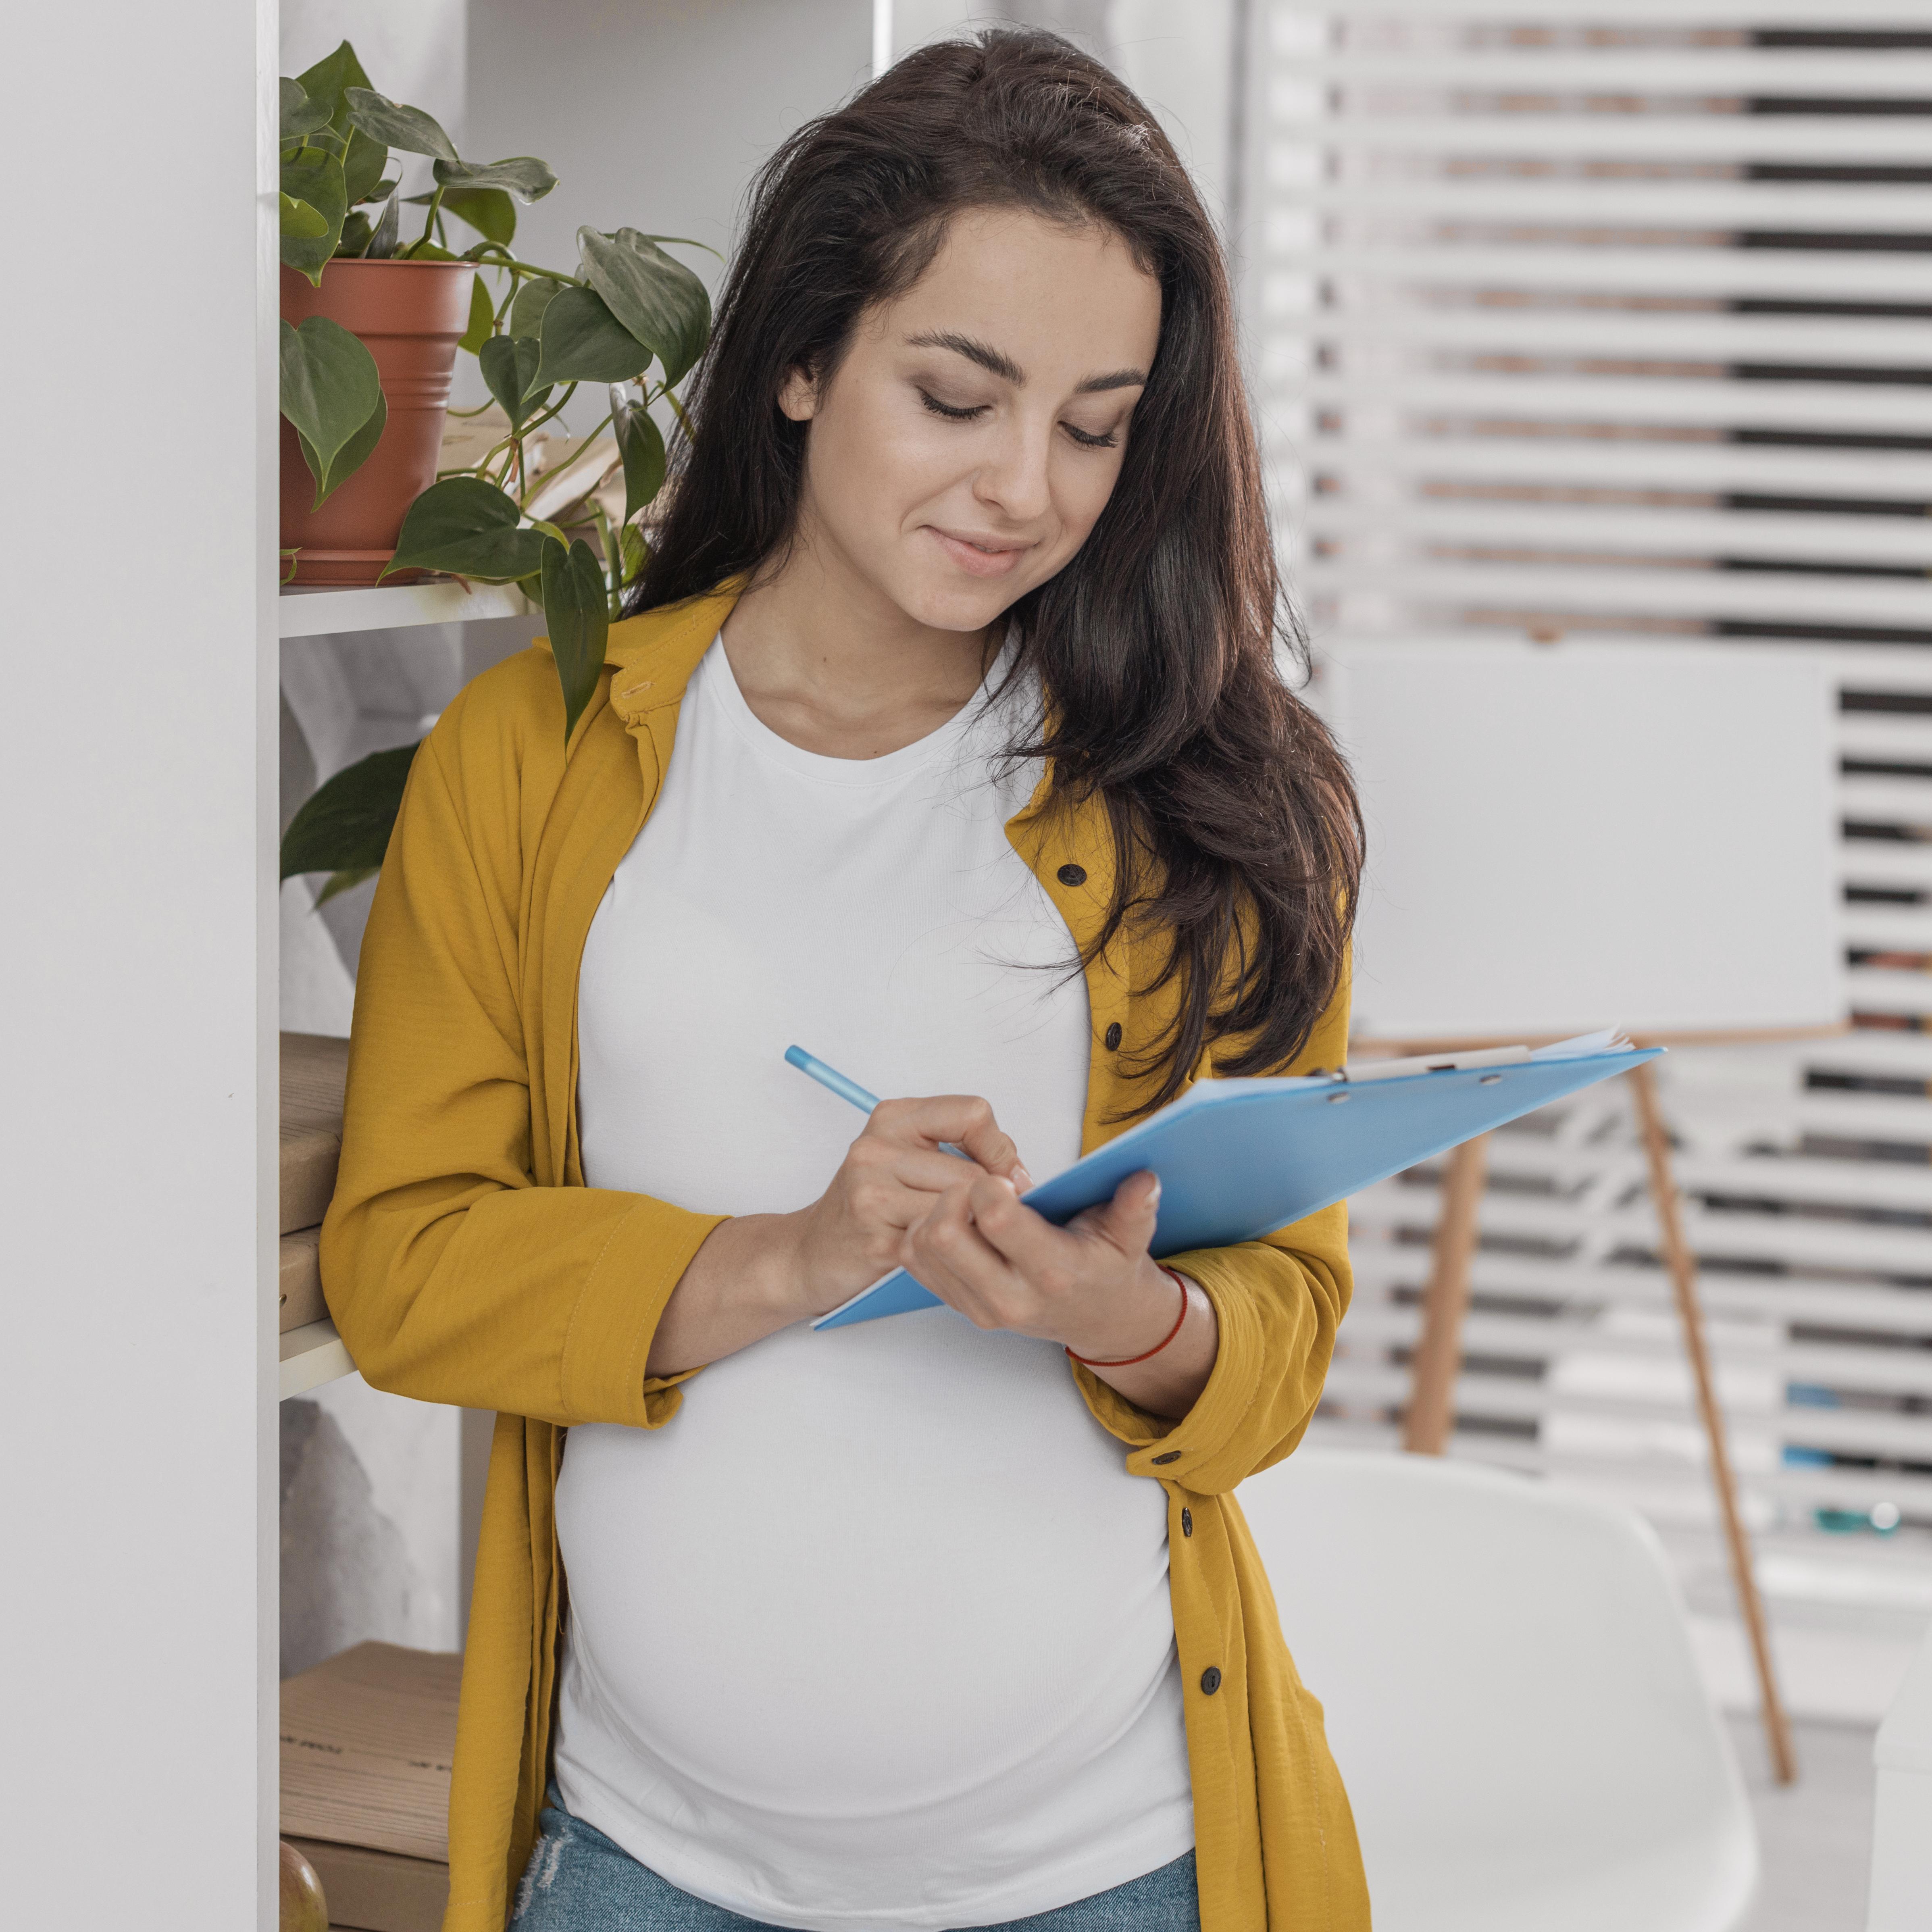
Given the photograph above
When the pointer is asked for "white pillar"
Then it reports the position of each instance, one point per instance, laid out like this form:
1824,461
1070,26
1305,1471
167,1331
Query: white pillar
137,740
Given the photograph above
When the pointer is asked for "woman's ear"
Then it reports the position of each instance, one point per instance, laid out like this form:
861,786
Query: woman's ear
799,398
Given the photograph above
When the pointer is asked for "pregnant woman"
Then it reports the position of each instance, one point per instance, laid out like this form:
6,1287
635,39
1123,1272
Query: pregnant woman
947,739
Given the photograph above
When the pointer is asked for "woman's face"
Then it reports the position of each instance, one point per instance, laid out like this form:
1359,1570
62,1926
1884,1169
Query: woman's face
972,435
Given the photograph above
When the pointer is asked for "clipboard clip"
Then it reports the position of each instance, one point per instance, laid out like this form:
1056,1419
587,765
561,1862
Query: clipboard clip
1437,1063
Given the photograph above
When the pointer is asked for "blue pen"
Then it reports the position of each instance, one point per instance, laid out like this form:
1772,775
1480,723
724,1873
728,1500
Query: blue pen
835,1082
831,1078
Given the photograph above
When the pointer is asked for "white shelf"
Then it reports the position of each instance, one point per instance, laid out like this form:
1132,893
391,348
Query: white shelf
322,612
311,1356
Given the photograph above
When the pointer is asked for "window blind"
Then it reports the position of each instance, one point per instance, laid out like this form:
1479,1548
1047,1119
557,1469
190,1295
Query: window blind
1582,321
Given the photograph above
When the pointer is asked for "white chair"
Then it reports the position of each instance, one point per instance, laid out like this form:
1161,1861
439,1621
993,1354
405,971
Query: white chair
1901,1880
1511,1694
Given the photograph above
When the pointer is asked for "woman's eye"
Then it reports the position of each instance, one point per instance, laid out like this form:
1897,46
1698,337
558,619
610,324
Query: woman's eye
948,411
1087,440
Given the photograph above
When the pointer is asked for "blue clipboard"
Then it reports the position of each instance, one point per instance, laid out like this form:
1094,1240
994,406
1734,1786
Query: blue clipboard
1238,1158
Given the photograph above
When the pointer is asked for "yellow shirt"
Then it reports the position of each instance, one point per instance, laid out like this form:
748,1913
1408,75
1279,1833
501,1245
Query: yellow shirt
465,1261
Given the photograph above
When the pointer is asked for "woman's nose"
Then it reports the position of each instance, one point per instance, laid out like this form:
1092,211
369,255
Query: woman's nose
1015,478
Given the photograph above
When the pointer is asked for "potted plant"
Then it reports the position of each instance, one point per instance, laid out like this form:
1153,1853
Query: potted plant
539,334
370,324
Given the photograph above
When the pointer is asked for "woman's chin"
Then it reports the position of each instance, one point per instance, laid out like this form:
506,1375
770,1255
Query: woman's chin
963,605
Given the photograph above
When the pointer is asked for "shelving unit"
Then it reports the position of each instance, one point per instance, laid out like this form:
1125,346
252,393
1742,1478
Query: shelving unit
311,1355
312,1071
321,612
718,85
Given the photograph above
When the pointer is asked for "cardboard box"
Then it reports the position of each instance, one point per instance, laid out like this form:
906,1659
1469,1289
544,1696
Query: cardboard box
377,1891
367,1741
302,1279
314,1068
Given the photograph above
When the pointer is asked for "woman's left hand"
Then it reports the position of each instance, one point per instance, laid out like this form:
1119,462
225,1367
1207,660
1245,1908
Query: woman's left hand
1091,1286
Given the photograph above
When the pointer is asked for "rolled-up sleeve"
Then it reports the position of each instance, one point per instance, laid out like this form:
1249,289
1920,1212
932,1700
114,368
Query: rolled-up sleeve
453,1276
1279,1302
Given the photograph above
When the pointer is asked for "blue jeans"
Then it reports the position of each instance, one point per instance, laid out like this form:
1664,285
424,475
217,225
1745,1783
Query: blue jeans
578,1880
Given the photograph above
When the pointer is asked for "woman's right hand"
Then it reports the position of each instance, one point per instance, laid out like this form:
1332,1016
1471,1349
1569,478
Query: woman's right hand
757,1274
889,1180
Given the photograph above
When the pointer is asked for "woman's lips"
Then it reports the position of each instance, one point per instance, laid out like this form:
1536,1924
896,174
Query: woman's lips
975,561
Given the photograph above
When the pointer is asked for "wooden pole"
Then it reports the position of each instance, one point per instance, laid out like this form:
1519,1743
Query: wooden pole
1683,1268
1445,1301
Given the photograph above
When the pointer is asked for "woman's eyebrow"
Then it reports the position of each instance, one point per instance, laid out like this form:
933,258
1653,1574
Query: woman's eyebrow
996,362
1115,379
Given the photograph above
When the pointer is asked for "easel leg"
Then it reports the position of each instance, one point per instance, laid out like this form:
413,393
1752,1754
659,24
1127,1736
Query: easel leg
1438,1350
1683,1268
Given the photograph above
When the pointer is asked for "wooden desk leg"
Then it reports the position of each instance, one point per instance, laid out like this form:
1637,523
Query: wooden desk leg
1438,1349
1683,1268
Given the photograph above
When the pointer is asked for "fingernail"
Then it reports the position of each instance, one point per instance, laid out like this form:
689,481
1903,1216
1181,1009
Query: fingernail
1153,1199
1022,1179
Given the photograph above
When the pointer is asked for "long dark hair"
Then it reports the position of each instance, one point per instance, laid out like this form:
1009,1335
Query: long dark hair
1237,833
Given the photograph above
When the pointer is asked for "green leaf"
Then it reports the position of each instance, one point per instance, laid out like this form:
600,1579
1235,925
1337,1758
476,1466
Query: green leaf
382,242
633,553
344,825
355,453
330,389
509,368
578,619
317,178
659,301
526,309
363,167
300,115
342,882
327,79
482,317
363,159
301,222
686,241
488,210
353,242
523,175
409,128
642,446
468,527
583,342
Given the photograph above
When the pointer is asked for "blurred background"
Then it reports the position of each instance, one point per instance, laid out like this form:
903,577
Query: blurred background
1573,326
1576,322
1565,322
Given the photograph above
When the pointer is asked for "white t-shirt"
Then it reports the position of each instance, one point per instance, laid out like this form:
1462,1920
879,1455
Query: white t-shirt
875,1632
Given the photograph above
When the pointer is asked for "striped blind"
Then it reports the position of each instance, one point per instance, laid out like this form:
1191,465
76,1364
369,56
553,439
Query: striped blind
1580,320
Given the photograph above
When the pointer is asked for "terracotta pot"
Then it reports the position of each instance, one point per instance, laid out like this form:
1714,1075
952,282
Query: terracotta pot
412,315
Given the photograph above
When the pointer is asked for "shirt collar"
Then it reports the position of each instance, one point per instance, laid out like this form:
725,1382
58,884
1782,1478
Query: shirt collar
651,657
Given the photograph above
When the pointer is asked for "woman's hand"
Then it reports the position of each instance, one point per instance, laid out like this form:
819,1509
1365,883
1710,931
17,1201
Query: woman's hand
1091,1286
757,1274
960,1226
891,1177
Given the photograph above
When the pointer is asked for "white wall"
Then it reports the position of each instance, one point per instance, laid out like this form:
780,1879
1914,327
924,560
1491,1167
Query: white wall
653,117
412,50
371,1523
136,774
1179,55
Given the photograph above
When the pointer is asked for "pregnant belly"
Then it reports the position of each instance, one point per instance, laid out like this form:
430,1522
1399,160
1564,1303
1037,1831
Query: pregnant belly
860,1571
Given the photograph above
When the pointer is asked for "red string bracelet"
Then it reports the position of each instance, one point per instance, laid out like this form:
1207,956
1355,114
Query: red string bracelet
1127,1361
